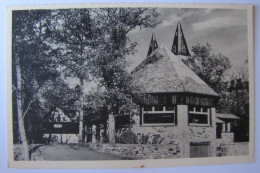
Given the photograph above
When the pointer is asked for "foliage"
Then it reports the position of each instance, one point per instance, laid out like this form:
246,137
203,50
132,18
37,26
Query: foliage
18,153
110,64
236,101
86,44
93,44
208,66
59,95
29,38
96,109
143,139
115,24
234,95
125,136
157,139
33,68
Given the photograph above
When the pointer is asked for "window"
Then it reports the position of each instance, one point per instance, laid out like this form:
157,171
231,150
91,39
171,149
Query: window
199,115
158,115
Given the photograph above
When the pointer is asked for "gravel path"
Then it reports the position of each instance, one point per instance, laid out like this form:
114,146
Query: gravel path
70,152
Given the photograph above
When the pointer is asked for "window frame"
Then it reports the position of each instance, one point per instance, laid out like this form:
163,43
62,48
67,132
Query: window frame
174,111
194,112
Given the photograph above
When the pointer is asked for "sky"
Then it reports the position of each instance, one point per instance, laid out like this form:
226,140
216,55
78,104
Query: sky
224,29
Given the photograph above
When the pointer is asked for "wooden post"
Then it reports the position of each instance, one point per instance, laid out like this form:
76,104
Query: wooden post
101,135
228,127
81,112
224,127
111,128
86,134
94,140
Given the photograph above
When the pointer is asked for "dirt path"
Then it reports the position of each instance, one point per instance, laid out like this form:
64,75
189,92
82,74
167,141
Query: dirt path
70,152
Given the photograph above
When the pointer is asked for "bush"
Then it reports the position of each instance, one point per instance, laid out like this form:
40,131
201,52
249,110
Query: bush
125,136
157,139
18,152
144,139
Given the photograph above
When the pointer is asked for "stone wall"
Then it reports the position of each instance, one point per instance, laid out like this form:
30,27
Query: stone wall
233,149
140,151
180,134
227,137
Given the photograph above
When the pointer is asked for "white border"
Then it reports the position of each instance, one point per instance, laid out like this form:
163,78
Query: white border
129,163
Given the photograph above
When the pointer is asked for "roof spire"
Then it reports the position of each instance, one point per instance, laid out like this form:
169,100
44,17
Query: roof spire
153,44
179,45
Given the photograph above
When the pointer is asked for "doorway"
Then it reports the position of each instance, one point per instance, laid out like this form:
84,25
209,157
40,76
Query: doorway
199,149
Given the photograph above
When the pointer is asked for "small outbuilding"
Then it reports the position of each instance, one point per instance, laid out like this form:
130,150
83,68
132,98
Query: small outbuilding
59,128
225,127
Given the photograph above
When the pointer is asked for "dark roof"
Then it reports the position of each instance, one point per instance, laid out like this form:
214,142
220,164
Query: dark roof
226,116
163,71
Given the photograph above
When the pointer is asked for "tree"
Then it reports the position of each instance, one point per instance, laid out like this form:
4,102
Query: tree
235,100
32,65
59,95
76,38
93,43
215,69
210,67
110,64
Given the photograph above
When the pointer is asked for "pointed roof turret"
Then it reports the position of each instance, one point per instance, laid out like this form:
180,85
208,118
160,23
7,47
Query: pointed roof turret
179,46
153,45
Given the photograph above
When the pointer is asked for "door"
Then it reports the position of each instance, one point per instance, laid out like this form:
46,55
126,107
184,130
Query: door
200,149
219,130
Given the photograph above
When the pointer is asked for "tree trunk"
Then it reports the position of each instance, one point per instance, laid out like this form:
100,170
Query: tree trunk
20,112
23,138
80,140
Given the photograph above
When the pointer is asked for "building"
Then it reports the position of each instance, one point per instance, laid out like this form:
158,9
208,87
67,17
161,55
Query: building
224,128
59,128
179,109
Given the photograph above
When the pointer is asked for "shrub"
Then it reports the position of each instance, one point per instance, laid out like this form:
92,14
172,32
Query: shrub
157,139
144,139
125,136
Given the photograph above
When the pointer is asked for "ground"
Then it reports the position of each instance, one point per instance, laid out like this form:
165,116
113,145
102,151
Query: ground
66,152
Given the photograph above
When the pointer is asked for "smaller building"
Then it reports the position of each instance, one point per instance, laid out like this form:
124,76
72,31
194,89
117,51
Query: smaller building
224,130
59,128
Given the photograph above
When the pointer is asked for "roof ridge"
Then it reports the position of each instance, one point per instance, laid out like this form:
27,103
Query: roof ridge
168,56
146,59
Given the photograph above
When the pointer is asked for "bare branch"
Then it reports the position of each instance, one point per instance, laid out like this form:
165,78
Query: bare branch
29,107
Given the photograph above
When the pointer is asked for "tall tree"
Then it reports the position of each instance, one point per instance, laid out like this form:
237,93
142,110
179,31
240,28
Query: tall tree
94,43
209,66
110,64
235,100
75,37
59,95
233,92
32,66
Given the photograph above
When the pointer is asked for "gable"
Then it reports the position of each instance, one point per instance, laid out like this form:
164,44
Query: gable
59,116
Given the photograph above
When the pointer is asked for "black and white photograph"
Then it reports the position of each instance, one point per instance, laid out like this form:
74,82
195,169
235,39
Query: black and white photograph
167,83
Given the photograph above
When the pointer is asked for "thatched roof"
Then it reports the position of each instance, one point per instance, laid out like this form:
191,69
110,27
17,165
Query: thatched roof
162,72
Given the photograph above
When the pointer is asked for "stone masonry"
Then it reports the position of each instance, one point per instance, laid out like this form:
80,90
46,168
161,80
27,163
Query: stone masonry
181,134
